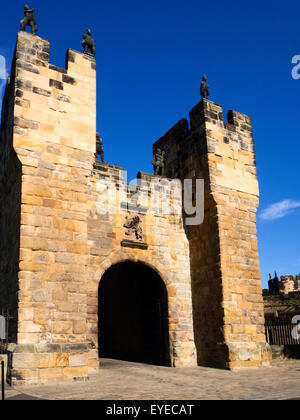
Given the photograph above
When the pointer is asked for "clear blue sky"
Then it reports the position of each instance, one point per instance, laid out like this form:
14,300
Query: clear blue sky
151,57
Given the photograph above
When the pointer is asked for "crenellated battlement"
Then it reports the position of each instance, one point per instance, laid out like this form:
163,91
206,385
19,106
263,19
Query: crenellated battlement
207,116
50,99
208,135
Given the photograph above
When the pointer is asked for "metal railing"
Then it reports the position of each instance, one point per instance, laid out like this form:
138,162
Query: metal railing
2,381
279,331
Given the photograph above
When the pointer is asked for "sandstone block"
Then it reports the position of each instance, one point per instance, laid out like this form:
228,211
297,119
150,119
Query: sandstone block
62,360
77,360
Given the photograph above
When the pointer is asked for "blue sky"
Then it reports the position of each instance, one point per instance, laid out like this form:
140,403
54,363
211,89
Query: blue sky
150,59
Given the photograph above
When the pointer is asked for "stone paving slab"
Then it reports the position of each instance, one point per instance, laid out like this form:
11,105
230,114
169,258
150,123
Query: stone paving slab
119,380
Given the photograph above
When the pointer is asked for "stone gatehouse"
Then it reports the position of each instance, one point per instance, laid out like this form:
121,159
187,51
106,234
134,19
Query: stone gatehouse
83,280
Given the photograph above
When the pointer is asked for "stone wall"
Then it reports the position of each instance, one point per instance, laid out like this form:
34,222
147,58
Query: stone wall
167,253
227,295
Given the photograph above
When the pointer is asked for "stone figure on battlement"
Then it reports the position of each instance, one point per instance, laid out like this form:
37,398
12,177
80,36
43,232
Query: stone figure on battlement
204,89
88,43
99,147
158,162
29,20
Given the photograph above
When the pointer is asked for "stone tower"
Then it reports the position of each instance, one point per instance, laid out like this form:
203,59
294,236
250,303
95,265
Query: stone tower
226,287
47,152
83,280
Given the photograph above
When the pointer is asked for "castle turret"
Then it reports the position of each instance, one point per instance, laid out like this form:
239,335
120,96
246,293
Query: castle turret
47,152
226,285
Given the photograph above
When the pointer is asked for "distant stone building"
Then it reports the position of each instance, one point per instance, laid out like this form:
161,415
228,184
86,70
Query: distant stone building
83,280
289,284
286,284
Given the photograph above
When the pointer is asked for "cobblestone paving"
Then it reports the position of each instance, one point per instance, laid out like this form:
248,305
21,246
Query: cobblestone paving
124,380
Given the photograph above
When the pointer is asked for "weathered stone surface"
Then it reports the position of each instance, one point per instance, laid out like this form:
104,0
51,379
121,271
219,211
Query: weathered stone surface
68,79
77,360
40,91
56,84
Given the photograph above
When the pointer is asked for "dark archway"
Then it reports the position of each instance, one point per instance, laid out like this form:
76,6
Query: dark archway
133,315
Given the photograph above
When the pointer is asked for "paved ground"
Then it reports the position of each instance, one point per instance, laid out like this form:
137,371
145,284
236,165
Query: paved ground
124,380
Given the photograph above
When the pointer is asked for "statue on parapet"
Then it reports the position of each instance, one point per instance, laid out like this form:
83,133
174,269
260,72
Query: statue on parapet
88,43
158,162
204,89
99,147
29,20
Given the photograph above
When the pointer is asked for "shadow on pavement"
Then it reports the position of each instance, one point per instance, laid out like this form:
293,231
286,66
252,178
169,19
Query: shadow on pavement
23,397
